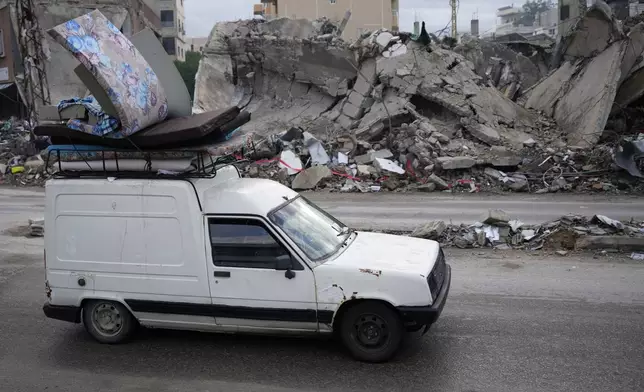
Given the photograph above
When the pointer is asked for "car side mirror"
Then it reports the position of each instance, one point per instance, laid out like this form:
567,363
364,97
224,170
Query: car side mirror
285,263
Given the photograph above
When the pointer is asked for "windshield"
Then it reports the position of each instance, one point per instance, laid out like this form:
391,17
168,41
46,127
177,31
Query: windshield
316,233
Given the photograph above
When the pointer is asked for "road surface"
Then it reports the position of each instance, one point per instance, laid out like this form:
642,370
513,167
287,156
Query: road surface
400,211
514,322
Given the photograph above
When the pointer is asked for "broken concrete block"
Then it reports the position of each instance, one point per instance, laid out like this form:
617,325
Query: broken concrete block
426,127
384,154
366,170
366,78
345,121
352,111
311,177
431,231
383,39
396,50
502,157
440,183
429,187
356,99
495,217
392,183
455,163
482,132
494,174
364,159
529,142
612,242
593,33
385,165
441,138
579,104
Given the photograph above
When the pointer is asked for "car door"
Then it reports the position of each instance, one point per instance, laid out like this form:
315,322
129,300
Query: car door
248,290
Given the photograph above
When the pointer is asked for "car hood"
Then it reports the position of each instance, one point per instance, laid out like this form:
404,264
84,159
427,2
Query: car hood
375,253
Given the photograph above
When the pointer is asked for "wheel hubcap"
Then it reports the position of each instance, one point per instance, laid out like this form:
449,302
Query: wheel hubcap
371,331
107,319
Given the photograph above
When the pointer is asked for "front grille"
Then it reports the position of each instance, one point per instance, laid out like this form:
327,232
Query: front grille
437,276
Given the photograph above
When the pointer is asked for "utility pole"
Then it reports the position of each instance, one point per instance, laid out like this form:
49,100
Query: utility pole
454,5
30,40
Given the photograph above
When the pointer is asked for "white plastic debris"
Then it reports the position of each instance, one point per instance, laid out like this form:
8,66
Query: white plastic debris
387,165
637,256
288,158
515,225
316,150
491,232
343,159
610,222
528,234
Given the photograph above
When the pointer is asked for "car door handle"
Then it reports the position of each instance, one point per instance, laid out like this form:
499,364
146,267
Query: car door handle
222,274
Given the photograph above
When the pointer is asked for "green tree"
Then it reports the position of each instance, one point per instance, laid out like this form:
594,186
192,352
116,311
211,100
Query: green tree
188,70
532,8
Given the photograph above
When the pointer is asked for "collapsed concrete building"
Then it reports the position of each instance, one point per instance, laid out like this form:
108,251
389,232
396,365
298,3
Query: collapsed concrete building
298,73
535,111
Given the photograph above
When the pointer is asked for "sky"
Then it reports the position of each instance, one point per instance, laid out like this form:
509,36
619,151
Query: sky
201,15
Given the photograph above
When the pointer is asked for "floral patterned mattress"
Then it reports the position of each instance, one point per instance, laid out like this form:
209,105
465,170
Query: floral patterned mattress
120,69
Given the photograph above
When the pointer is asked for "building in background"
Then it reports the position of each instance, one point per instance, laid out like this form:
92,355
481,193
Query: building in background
173,29
509,22
546,23
474,28
636,7
366,15
196,44
569,13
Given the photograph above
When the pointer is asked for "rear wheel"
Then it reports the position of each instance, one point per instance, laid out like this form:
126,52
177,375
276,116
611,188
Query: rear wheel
108,321
372,331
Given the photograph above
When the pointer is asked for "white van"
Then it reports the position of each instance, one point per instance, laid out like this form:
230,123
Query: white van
228,254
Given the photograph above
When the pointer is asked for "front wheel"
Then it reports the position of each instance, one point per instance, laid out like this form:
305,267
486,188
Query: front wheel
372,331
108,321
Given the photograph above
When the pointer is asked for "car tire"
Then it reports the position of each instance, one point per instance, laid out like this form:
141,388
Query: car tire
108,322
372,331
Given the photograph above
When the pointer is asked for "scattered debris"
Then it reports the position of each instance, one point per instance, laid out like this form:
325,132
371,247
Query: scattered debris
37,227
431,231
568,233
473,117
386,113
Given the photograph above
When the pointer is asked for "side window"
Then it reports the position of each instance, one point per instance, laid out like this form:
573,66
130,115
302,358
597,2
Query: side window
243,243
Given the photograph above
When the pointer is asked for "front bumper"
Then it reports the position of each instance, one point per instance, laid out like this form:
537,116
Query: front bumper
63,313
418,316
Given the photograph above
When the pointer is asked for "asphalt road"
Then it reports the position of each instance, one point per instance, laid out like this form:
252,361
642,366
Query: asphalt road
408,211
512,323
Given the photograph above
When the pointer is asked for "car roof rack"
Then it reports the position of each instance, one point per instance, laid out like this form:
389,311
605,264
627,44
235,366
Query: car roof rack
105,162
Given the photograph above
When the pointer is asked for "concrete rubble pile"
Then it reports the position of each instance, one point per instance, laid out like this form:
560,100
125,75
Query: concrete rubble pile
570,232
386,112
20,160
595,93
